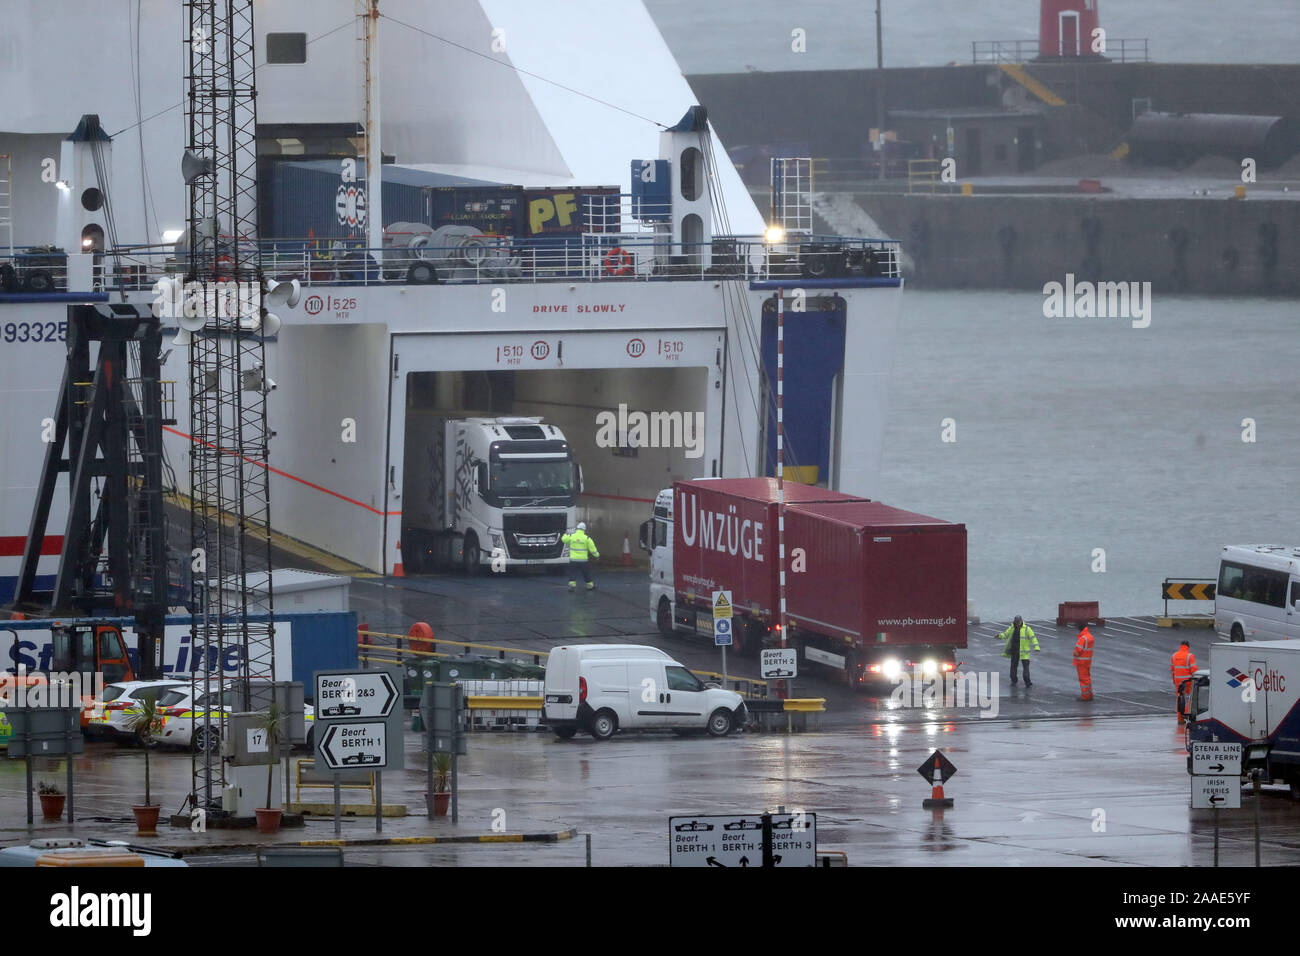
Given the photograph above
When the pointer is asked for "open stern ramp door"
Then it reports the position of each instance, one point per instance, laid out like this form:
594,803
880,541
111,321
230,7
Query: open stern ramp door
631,408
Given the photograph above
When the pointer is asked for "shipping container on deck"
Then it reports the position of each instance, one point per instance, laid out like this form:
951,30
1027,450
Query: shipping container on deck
877,575
313,200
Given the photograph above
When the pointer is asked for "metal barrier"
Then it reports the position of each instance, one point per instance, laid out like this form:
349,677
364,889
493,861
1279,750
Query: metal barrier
409,259
1123,49
922,172
310,778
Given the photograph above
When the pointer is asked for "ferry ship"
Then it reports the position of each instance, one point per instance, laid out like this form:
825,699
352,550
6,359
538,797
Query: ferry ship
559,234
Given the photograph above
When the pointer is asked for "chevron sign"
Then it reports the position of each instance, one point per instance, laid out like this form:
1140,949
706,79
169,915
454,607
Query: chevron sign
1173,591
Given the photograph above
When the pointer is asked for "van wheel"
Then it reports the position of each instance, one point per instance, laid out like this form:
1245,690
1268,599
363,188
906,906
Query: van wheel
564,733
1237,634
720,722
604,725
664,617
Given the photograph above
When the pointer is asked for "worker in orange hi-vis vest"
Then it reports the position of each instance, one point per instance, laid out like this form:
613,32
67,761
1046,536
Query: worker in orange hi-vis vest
1182,666
1083,663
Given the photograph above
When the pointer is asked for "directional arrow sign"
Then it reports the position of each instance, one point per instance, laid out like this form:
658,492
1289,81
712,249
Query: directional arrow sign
1216,758
937,765
355,746
355,696
738,840
1223,793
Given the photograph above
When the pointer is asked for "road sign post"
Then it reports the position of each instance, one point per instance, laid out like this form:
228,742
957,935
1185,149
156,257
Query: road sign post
1216,782
754,840
937,769
722,626
359,726
778,663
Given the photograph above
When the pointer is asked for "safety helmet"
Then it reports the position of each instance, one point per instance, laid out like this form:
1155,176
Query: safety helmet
582,526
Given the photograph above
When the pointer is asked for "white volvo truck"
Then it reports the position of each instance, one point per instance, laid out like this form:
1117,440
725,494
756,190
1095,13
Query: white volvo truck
487,490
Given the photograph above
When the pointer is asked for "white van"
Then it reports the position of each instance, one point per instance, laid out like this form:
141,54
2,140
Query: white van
604,688
1258,594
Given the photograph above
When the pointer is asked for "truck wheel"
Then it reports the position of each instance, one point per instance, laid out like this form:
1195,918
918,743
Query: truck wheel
604,725
1237,634
720,722
470,554
564,733
664,617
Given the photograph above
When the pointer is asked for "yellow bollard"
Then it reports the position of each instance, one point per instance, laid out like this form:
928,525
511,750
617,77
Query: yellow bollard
1239,192
968,189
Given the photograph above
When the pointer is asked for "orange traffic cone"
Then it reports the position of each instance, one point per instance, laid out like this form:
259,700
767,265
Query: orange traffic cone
937,800
627,552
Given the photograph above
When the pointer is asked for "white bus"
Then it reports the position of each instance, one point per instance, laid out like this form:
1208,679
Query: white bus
1258,595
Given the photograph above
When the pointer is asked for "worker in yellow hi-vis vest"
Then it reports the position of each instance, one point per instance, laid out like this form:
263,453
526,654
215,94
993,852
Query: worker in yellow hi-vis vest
581,550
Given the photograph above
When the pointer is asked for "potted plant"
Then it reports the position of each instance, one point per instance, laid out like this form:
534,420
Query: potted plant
272,723
441,784
144,724
51,801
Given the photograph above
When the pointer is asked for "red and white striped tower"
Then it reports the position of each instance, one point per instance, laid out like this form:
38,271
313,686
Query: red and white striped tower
781,688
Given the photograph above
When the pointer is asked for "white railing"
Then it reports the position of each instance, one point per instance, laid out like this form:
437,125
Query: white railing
587,257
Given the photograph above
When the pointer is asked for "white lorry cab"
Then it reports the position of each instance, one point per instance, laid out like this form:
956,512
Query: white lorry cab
479,490
601,689
1258,594
1249,695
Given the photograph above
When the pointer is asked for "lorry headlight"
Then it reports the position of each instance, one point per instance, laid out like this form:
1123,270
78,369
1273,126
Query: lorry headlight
891,668
929,667
498,541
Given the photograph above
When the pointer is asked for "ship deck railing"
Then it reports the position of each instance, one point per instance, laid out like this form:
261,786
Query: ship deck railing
482,259
1120,50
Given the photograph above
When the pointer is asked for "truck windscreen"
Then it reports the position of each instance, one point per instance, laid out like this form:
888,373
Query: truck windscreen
542,478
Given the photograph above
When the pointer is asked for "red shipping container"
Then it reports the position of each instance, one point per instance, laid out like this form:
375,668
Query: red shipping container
876,576
724,538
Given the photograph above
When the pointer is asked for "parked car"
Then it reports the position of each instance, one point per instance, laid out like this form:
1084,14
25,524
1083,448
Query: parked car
183,718
119,706
601,689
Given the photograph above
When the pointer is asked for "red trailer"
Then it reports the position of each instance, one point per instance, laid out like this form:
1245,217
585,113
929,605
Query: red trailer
870,589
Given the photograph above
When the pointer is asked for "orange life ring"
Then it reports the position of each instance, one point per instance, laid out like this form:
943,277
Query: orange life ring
618,262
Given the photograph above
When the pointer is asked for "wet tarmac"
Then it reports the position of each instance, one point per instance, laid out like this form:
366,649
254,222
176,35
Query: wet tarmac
1032,792
1043,778
1130,671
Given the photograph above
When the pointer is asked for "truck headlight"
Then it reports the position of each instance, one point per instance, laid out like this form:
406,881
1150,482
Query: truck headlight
929,667
498,541
891,668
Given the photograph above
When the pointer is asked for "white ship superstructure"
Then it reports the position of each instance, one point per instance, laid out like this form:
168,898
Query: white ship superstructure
610,293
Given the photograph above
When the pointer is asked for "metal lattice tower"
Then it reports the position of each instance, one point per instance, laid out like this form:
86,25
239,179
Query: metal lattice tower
229,482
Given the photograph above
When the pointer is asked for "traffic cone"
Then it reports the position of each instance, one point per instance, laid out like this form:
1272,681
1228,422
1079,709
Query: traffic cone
937,800
627,552
397,567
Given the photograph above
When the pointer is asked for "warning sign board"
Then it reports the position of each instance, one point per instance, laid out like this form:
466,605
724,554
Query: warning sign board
721,604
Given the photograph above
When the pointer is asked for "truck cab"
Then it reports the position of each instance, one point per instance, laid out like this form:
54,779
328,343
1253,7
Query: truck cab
490,491
656,538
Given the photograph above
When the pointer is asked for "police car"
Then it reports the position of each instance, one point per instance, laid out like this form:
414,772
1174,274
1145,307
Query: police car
112,715
183,716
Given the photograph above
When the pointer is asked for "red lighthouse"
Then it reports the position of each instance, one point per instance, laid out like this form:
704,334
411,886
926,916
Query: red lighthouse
1065,29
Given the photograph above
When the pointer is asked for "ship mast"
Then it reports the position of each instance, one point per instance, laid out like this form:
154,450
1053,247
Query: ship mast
374,158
